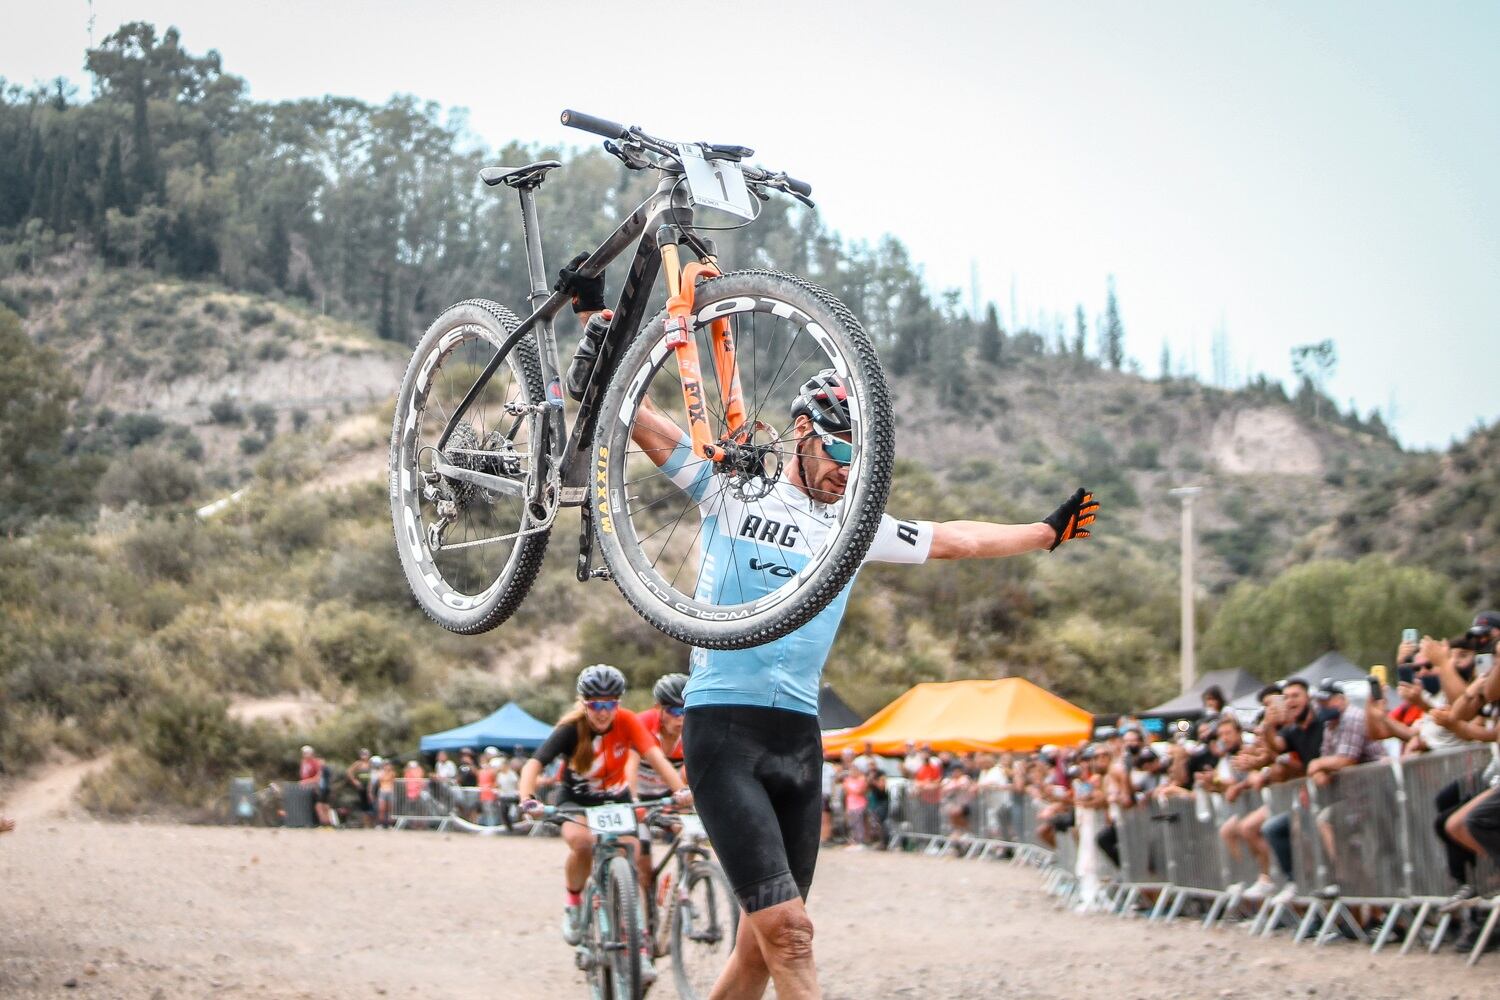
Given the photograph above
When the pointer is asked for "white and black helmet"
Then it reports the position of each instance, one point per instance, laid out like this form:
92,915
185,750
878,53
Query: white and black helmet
824,399
601,681
668,690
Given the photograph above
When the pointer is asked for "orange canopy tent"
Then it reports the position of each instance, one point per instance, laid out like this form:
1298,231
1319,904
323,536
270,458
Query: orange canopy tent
963,716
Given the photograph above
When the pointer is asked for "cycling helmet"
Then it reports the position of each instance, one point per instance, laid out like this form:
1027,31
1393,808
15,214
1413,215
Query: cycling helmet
601,681
823,398
668,690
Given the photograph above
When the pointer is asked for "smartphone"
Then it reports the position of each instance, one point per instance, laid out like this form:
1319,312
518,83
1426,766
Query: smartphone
1431,684
1377,689
1483,662
1406,675
1410,635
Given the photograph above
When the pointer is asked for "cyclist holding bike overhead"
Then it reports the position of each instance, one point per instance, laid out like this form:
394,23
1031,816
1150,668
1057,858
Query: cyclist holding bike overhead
751,738
596,740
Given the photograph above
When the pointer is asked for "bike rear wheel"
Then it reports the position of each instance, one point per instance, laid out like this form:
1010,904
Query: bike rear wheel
691,544
470,550
623,940
704,926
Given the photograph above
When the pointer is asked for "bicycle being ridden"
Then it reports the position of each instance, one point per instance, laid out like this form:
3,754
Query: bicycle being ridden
609,939
595,741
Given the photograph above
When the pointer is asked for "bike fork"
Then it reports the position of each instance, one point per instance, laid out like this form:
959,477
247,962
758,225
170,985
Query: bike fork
681,283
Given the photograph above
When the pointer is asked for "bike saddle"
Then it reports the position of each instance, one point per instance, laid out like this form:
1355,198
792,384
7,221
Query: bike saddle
529,176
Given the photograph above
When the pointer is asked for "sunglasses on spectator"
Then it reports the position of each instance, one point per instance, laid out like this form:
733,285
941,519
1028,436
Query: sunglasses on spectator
838,449
675,711
603,706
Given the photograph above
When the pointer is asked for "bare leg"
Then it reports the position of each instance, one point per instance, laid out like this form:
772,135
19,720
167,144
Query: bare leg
580,856
1249,829
782,936
1458,828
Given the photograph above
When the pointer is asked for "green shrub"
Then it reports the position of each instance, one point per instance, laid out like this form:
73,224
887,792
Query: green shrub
254,316
295,521
225,410
164,550
361,648
151,477
263,416
252,444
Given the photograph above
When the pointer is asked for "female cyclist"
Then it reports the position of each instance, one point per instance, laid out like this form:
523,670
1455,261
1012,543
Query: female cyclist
596,741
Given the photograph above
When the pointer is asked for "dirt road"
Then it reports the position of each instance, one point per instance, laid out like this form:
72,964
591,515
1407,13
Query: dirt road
170,911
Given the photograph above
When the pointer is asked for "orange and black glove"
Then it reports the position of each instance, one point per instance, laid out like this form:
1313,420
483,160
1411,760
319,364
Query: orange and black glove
1073,518
588,293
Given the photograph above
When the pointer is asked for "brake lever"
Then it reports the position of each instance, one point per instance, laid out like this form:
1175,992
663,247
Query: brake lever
626,156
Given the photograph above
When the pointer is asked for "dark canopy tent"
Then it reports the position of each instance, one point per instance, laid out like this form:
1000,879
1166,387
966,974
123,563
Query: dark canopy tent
834,712
507,727
1334,666
1234,683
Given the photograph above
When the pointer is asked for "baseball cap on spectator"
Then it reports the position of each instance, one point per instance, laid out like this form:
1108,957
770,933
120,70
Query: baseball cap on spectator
1486,620
306,750
377,759
1327,689
1146,756
492,751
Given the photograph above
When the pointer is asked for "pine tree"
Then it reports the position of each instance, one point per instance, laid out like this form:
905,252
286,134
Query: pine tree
1080,332
1166,361
991,337
145,182
278,252
1112,337
112,190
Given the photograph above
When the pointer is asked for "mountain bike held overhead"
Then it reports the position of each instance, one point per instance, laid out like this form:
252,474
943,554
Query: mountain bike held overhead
483,457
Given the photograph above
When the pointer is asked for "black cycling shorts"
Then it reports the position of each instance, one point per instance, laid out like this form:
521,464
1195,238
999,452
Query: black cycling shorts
756,775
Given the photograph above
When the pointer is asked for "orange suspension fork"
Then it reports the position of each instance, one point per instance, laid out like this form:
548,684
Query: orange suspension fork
681,282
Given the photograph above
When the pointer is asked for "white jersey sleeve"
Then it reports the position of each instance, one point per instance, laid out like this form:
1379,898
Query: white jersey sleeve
900,541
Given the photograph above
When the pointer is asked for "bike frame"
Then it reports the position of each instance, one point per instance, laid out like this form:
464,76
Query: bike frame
566,452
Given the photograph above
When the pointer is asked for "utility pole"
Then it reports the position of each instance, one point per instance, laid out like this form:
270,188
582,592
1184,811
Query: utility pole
1187,494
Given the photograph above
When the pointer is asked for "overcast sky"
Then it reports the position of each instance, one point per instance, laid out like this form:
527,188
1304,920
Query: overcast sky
1284,172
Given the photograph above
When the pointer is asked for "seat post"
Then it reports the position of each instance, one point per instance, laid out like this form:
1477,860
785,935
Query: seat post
531,228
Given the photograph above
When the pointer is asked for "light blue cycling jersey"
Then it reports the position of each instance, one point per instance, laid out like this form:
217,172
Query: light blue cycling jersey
748,549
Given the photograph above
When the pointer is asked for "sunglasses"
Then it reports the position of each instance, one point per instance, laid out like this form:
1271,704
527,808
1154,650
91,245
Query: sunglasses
838,449
603,706
675,711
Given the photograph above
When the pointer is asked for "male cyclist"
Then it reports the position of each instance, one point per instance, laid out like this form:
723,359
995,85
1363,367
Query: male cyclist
595,740
751,736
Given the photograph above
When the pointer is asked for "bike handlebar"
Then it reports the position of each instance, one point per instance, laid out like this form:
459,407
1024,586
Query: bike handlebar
613,130
598,126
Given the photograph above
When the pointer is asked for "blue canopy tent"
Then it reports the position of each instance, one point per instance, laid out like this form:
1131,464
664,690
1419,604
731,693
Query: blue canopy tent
507,727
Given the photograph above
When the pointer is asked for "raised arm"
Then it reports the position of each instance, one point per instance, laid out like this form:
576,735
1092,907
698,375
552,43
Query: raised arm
655,432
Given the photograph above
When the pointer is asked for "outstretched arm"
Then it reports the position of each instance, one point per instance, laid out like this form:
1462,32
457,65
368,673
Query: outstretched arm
987,540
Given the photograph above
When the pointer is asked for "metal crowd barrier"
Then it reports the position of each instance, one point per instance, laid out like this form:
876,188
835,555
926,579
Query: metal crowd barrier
1367,864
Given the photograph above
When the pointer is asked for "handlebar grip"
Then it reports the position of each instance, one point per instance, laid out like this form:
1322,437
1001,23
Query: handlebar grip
801,187
598,126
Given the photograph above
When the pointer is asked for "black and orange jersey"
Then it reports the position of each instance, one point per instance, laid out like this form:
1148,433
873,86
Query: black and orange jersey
605,780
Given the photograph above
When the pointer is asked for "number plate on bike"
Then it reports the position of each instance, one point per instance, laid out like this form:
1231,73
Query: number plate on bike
692,826
716,184
611,819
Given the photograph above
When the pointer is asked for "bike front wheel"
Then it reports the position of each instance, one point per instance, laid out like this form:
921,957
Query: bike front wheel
734,553
704,926
467,541
623,940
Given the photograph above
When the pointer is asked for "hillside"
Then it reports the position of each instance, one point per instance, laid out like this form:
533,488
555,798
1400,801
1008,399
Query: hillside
231,323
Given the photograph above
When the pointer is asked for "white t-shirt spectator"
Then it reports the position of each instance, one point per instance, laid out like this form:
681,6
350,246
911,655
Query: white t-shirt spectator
992,776
445,770
913,763
507,783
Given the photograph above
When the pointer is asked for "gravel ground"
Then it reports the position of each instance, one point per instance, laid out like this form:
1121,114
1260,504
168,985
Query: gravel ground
159,911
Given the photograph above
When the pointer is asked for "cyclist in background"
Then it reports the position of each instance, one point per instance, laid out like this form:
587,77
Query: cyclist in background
595,741
664,722
751,734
